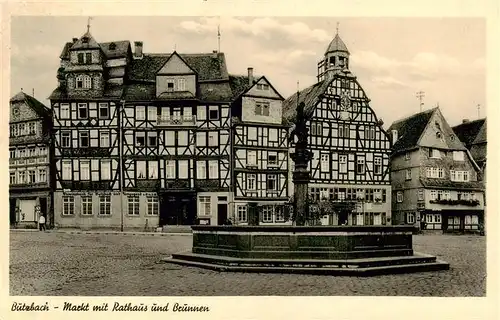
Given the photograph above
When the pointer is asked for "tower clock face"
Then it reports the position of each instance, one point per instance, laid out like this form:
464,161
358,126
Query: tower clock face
345,102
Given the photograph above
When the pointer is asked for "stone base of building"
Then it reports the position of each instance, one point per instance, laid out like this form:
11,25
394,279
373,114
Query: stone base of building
340,250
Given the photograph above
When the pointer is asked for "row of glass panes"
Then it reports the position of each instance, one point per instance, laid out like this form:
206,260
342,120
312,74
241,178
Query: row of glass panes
269,213
23,129
272,158
271,182
362,194
448,195
344,130
83,111
28,176
84,170
438,154
360,164
27,152
165,113
105,205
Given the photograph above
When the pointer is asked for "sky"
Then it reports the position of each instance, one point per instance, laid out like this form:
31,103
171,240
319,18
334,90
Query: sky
393,58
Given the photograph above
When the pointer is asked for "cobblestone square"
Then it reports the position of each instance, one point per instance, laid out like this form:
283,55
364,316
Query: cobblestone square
62,264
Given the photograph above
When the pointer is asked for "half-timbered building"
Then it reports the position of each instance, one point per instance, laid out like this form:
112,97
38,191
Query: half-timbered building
434,177
141,140
351,149
86,120
30,164
259,150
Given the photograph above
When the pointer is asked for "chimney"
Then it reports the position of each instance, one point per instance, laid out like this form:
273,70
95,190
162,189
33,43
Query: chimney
138,50
394,134
75,40
214,54
250,76
465,120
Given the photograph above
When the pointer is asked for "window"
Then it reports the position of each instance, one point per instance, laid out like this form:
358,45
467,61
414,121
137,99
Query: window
458,155
22,130
343,164
183,169
87,82
369,133
170,85
42,151
459,176
86,205
79,82
408,174
407,156
271,182
12,178
242,211
42,175
433,195
262,109
267,214
170,170
213,113
104,139
140,113
31,176
201,170
181,84
447,195
316,129
466,176
105,170
325,162
440,173
213,169
88,56
420,194
84,139
152,139
279,212
205,209
84,170
434,153
252,158
252,133
251,181
141,169
133,205
64,111
399,196
31,129
68,205
440,194
65,139
212,139
81,58
344,131
153,170
22,177
153,205
66,170
140,139
201,139
360,167
103,111
273,135
272,159
152,114
12,153
105,205
261,86
377,165
410,218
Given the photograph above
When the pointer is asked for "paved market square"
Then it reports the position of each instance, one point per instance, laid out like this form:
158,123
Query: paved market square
63,264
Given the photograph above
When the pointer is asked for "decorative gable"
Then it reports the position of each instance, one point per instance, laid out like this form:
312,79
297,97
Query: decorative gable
175,77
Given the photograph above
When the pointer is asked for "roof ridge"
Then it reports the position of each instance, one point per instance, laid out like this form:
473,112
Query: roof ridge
414,115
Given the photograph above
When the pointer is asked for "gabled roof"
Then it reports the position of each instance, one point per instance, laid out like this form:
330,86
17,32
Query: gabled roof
176,55
471,132
33,103
90,44
336,45
310,96
65,51
120,50
240,85
410,129
208,67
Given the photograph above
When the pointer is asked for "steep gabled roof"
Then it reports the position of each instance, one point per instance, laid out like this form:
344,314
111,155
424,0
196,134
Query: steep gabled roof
240,85
310,96
89,44
471,132
410,129
120,50
336,45
33,103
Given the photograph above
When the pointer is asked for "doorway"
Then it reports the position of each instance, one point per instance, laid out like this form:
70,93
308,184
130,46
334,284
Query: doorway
178,209
221,214
12,209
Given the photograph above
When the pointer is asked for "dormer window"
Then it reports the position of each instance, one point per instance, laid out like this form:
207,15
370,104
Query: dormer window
261,86
84,58
83,82
85,40
112,46
332,60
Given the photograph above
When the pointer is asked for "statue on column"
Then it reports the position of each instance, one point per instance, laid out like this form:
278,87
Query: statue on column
301,157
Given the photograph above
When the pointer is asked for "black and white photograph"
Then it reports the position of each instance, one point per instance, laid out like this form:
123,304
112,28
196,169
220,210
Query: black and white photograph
230,155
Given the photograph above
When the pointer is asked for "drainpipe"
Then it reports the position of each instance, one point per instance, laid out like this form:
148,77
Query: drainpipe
120,164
